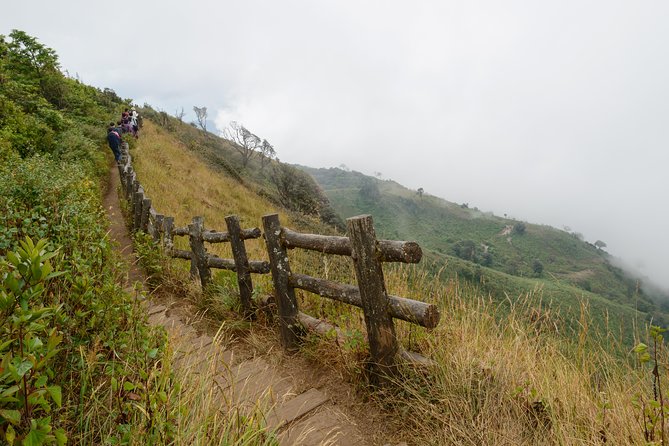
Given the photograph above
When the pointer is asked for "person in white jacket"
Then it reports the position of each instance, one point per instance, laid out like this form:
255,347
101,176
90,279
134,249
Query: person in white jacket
133,122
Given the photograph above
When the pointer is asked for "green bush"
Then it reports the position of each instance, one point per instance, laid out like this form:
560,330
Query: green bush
77,357
29,344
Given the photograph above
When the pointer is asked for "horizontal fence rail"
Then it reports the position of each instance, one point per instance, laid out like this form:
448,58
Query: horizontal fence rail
202,262
414,311
366,252
388,250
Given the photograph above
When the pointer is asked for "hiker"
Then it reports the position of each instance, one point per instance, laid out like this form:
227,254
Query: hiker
114,141
125,121
133,122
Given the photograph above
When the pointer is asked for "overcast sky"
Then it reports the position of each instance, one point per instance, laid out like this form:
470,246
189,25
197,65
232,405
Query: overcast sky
550,112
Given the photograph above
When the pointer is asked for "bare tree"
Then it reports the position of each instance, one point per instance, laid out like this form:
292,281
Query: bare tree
245,142
267,153
180,114
163,118
201,115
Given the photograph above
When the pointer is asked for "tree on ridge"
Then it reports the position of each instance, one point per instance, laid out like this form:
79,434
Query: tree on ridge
201,115
245,142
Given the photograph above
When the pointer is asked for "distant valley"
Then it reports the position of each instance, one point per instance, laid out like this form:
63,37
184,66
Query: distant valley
505,257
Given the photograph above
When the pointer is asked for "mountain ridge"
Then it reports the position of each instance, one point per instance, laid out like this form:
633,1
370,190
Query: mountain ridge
471,239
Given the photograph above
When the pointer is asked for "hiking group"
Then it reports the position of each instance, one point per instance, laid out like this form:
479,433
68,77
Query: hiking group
129,123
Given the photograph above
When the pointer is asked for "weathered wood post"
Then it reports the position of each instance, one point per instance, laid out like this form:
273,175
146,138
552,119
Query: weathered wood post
285,293
121,172
198,261
241,264
380,329
158,229
137,199
129,185
124,179
168,237
146,211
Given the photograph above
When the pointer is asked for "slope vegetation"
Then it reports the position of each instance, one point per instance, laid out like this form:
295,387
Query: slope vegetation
78,362
510,373
504,256
65,320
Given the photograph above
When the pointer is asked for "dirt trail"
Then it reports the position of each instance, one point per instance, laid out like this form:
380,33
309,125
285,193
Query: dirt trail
307,407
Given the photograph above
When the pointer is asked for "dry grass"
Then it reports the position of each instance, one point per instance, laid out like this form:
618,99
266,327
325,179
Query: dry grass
182,186
207,412
503,375
499,381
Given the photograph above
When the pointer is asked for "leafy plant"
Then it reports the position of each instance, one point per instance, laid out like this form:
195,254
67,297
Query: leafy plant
654,410
27,396
354,340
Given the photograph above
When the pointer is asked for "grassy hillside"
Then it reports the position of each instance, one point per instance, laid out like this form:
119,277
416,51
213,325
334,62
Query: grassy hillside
508,371
78,361
65,320
79,364
504,256
280,184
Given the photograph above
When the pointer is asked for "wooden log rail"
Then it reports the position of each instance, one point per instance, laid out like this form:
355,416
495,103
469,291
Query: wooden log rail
161,228
360,244
202,262
414,311
370,294
255,266
388,250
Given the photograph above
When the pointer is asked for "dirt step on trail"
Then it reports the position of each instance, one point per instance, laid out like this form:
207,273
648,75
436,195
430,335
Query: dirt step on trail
300,414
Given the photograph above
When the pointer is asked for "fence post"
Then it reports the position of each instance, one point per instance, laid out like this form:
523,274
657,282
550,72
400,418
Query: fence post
129,185
375,305
121,174
241,264
198,265
124,179
285,294
158,227
168,238
137,199
146,209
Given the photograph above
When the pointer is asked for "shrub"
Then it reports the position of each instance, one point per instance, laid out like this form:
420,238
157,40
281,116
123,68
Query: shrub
537,267
29,344
466,250
519,228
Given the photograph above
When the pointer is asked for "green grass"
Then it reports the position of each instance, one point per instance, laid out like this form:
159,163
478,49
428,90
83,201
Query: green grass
518,359
572,269
506,369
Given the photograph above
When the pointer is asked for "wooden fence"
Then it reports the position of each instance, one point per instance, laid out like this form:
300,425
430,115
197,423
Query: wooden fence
360,244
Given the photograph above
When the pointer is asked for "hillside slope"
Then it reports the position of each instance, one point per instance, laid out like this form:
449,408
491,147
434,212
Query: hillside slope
498,367
65,319
511,256
94,372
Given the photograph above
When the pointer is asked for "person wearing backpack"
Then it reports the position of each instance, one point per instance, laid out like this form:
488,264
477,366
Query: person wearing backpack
114,141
